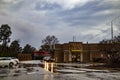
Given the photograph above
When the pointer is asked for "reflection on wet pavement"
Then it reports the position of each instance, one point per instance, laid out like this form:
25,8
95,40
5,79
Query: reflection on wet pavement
64,72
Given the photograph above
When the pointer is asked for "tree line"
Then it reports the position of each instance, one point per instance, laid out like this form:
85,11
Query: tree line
12,49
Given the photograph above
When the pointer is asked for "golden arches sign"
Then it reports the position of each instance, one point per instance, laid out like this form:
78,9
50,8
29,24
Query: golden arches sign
76,50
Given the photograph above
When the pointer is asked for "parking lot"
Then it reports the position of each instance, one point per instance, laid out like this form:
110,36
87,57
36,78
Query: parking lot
65,72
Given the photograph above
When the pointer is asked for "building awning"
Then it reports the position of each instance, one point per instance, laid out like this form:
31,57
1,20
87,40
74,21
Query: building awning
40,53
76,50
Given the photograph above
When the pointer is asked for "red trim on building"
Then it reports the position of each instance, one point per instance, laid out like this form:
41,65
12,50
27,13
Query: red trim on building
36,53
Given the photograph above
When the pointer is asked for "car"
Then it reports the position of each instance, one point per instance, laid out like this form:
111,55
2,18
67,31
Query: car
48,59
8,62
16,60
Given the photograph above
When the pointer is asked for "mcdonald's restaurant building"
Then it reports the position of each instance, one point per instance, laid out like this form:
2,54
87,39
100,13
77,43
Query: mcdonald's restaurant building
77,52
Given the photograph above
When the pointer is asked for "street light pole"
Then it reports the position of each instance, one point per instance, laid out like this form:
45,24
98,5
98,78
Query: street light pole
112,30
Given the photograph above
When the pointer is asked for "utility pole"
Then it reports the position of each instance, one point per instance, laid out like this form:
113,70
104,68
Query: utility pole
73,38
112,30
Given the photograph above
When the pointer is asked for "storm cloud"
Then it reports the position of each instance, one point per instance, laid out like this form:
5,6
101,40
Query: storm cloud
32,20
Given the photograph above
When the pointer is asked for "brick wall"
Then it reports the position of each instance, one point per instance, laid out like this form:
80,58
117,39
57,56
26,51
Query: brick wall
24,57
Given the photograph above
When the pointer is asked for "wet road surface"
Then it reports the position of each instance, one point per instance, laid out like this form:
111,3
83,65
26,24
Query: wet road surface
61,73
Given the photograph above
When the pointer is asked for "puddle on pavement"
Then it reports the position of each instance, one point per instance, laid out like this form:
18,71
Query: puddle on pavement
5,72
32,69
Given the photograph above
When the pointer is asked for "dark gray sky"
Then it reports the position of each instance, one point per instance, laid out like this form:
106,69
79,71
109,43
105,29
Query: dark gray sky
32,20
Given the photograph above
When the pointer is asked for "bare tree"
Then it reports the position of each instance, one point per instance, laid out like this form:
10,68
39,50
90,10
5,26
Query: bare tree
111,49
50,40
49,44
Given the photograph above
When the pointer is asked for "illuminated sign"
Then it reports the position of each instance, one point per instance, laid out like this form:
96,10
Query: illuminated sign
76,50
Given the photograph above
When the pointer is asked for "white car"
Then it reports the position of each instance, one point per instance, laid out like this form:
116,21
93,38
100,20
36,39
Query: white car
16,60
48,58
8,61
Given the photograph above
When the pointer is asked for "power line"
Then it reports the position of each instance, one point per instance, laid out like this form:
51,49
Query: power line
112,29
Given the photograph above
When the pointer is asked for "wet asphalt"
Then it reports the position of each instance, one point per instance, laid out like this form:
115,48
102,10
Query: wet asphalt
37,72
